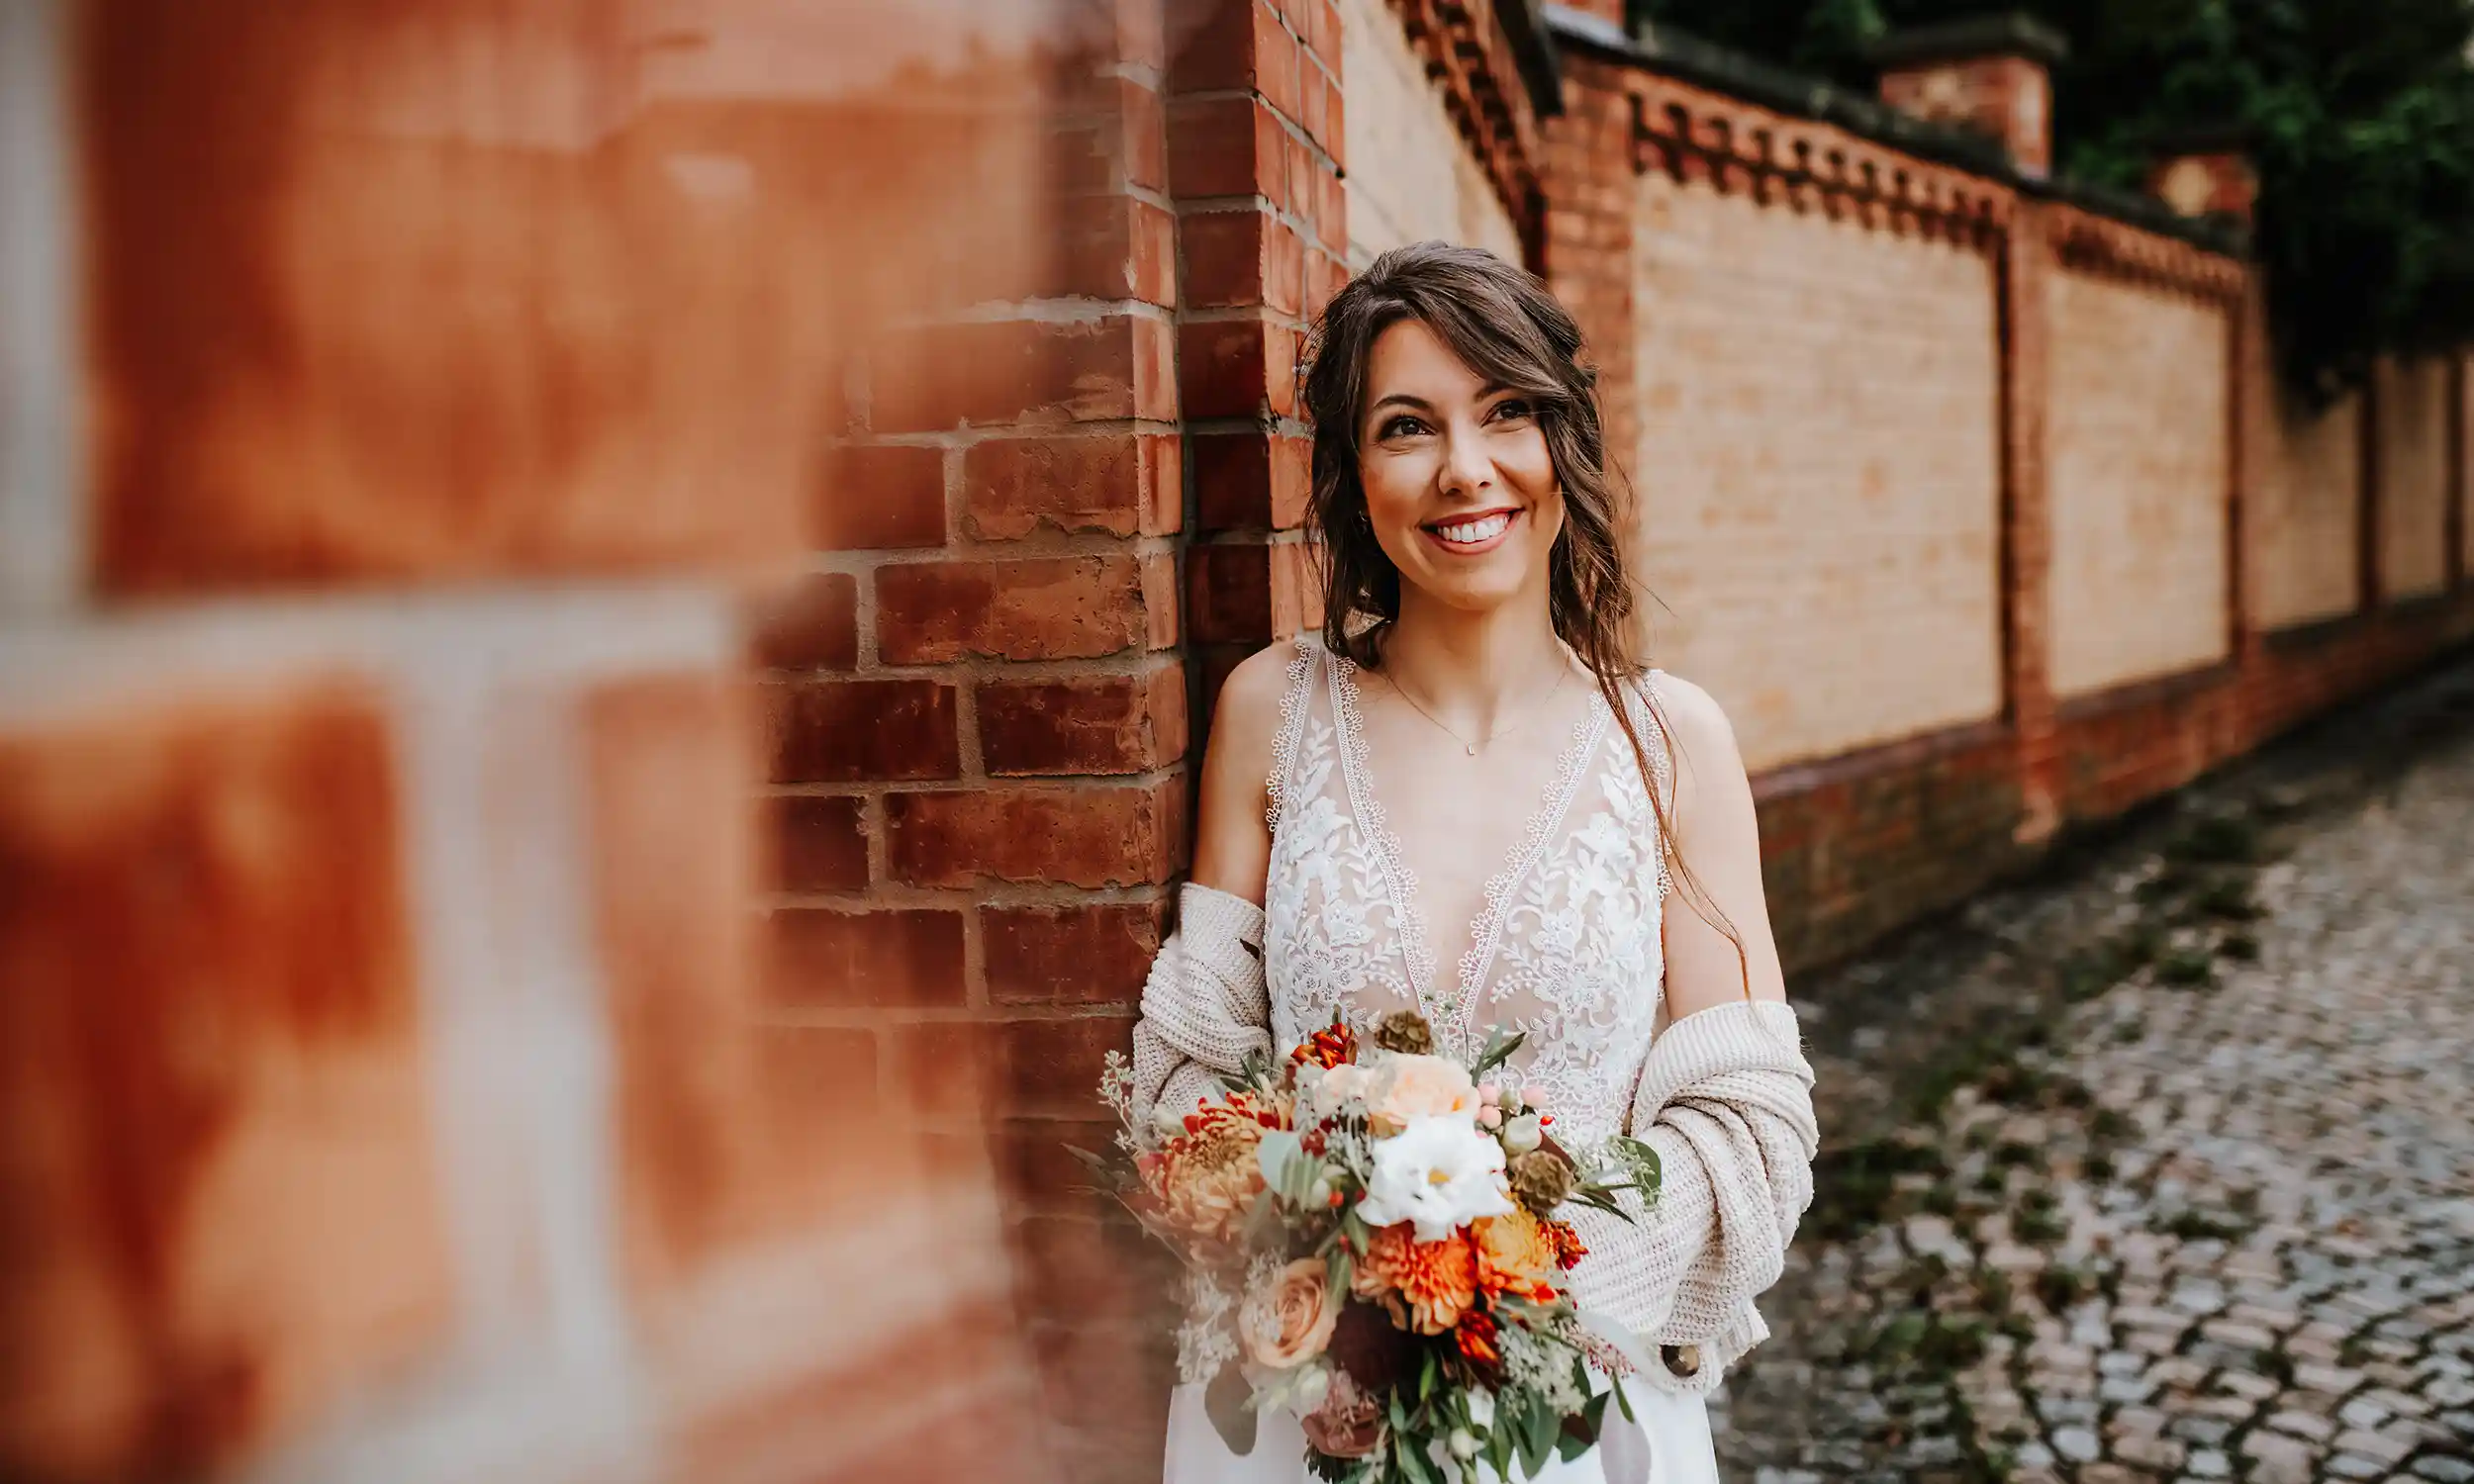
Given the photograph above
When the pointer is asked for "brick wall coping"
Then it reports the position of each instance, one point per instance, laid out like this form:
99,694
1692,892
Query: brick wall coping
1668,52
2004,34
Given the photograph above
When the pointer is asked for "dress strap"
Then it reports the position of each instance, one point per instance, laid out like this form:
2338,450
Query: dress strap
1305,661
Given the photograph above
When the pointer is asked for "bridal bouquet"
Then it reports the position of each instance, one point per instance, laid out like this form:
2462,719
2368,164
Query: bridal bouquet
1372,1243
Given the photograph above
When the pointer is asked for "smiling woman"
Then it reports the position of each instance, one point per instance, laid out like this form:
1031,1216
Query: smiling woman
1386,812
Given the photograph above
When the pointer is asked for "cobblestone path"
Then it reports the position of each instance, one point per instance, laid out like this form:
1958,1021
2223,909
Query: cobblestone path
2202,1206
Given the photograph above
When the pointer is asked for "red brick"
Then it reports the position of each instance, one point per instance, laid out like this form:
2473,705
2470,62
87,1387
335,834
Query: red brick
1215,45
1050,1067
1054,608
1323,34
1284,270
1080,955
812,624
216,1182
903,957
1127,836
1252,480
1123,484
882,497
1102,723
1330,203
1314,101
674,851
1228,594
1116,247
854,731
1237,368
828,1076
1226,257
1160,605
1227,146
1275,69
1120,1277
933,377
942,1072
819,845
1036,1172
1093,1379
1336,121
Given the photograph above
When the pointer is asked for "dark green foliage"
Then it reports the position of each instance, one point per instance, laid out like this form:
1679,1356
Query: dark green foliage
2359,114
2186,968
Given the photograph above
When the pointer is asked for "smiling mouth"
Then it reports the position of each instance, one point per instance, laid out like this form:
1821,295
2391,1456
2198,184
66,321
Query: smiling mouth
1472,530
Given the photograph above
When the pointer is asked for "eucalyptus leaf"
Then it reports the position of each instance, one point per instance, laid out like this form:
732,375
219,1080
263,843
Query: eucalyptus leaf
1499,1049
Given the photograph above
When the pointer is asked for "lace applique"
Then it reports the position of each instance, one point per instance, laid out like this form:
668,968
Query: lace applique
1565,947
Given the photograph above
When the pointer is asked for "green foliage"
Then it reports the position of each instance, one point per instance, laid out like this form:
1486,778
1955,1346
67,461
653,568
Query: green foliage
2358,115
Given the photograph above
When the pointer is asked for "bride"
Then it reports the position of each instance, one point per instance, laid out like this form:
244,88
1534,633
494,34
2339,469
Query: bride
1469,797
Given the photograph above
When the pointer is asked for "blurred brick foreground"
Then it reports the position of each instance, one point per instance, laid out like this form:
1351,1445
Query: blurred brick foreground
604,606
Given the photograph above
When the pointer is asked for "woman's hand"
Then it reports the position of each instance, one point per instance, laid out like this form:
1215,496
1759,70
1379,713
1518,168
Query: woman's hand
1718,839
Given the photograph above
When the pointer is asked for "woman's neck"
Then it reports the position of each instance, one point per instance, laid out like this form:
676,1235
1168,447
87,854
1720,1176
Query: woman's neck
1474,670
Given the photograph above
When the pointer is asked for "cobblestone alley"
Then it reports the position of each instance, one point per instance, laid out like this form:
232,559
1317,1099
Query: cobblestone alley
2161,1168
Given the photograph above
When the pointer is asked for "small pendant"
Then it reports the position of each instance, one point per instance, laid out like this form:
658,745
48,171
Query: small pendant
1473,748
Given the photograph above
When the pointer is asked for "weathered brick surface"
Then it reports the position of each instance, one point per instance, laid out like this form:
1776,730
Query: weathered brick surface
1787,566
847,731
2413,459
1124,836
1119,484
1103,723
218,1185
984,372
2139,448
812,624
1095,954
819,844
891,956
1033,609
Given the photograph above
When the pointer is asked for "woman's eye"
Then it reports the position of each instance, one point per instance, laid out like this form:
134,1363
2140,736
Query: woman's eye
1404,426
1511,408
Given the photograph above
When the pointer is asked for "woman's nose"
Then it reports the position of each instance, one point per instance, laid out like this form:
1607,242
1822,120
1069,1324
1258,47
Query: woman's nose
1467,468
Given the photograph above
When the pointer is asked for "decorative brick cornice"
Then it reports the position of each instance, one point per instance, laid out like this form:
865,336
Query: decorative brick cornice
1471,56
1693,133
2093,244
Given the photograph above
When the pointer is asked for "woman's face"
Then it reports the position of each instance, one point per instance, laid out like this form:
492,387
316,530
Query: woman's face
1457,481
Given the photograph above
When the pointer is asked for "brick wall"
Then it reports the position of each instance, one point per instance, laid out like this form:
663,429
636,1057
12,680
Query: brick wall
394,1091
2168,547
2137,446
1412,177
1784,566
2412,403
2303,500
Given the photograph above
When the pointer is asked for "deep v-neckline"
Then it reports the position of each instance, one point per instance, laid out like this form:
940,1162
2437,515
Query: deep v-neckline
1485,934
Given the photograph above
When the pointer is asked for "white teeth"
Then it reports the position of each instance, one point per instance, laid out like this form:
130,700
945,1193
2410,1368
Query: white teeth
1471,532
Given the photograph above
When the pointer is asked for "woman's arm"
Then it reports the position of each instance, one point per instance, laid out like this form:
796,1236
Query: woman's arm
1718,842
1232,838
1204,1006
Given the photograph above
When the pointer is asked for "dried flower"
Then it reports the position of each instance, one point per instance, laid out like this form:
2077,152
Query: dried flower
1541,1179
1329,1047
1406,1032
1569,1249
1207,1178
1375,1352
1349,1423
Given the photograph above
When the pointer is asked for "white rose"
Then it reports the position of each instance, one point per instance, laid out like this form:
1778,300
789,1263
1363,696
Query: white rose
1439,1173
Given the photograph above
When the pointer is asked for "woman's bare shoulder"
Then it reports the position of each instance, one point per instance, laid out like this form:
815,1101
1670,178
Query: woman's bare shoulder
1232,838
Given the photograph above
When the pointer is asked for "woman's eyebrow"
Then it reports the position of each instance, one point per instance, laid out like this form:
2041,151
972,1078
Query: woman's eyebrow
1400,399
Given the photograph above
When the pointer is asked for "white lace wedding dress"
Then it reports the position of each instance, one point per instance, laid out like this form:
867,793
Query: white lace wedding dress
1565,948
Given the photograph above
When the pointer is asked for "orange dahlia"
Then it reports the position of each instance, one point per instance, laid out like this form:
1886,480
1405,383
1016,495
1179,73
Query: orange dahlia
1427,1286
1207,1178
1514,1255
1475,1337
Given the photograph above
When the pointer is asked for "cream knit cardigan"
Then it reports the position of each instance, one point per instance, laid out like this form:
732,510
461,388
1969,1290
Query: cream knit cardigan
1725,1098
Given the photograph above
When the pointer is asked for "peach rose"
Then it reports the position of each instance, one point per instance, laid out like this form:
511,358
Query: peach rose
1422,1087
1289,1320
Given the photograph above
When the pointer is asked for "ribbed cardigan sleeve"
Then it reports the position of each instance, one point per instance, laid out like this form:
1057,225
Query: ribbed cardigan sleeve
1725,1098
1204,1006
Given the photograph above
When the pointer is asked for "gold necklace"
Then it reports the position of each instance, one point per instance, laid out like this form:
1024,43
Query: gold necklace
1490,738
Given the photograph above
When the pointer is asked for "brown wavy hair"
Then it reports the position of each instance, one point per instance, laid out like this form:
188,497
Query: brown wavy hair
1503,324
